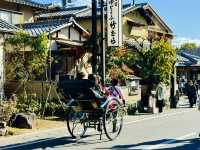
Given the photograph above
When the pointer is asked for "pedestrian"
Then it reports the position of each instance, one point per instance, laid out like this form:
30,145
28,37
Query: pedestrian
160,97
181,86
191,93
115,91
196,85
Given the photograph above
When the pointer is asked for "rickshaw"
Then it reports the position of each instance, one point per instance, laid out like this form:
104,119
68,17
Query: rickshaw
88,108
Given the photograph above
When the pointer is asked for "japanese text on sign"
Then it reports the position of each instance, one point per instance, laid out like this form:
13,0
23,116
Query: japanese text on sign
114,22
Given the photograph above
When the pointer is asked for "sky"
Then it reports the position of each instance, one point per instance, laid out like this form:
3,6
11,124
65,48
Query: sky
182,16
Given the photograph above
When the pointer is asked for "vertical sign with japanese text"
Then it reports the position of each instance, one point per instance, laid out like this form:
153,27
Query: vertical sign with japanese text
114,22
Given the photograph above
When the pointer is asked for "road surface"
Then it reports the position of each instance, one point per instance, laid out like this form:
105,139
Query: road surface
176,129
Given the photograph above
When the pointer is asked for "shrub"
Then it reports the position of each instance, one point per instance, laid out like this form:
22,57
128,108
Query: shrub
28,104
7,108
32,104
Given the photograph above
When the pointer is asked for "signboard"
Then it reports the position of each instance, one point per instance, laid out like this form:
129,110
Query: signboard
114,22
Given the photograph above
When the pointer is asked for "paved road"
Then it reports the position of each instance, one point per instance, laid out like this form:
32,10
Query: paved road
176,129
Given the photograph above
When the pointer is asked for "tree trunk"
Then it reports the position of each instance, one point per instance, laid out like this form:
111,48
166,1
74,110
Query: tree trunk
145,94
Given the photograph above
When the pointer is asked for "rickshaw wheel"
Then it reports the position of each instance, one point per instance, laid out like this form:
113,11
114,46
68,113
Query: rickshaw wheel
113,119
76,123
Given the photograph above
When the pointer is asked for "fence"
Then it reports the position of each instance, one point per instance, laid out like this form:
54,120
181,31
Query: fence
38,88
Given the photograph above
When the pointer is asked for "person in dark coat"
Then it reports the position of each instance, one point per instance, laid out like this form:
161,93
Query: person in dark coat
191,93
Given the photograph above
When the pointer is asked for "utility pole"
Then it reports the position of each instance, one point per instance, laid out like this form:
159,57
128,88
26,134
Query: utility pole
173,88
94,36
102,44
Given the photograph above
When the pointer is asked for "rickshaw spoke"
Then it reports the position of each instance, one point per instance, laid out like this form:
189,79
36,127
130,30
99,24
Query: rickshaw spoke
75,124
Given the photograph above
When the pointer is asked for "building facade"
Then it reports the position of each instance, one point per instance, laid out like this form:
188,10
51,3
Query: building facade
18,12
188,66
13,12
6,30
140,22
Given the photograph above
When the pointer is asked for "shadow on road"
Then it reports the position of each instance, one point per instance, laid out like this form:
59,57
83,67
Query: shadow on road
67,142
190,144
63,142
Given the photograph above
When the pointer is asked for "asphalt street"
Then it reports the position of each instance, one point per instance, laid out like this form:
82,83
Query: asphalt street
175,129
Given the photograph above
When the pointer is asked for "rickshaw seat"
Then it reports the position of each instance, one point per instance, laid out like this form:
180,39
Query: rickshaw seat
78,89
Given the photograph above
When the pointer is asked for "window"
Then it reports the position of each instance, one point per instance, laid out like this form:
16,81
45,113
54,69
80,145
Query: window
6,16
12,18
17,19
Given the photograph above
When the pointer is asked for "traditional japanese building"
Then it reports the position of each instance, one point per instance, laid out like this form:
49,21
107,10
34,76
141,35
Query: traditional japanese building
19,11
66,38
188,66
140,21
13,12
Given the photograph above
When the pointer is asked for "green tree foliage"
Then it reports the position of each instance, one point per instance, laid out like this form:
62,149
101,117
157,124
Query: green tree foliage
158,60
26,56
27,59
114,64
188,46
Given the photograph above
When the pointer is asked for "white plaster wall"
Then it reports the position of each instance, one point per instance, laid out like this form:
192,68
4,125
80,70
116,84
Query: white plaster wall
64,33
74,34
53,45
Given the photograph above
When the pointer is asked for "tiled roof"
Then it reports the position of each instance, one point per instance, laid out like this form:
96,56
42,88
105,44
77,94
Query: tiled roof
28,3
86,12
35,29
6,27
182,61
186,59
80,12
193,52
135,45
131,43
63,12
38,28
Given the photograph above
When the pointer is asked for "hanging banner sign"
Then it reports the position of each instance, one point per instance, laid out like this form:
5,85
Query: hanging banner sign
114,22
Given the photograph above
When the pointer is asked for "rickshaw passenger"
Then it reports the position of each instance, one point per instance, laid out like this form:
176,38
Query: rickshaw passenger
96,80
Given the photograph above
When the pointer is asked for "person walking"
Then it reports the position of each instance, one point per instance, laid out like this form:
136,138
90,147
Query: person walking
191,93
160,98
181,86
115,90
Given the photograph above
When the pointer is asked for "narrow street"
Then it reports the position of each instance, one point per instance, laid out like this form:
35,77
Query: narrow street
175,129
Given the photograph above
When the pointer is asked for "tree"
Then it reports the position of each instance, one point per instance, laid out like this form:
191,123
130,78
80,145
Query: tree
26,56
188,46
26,59
158,60
154,65
114,64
